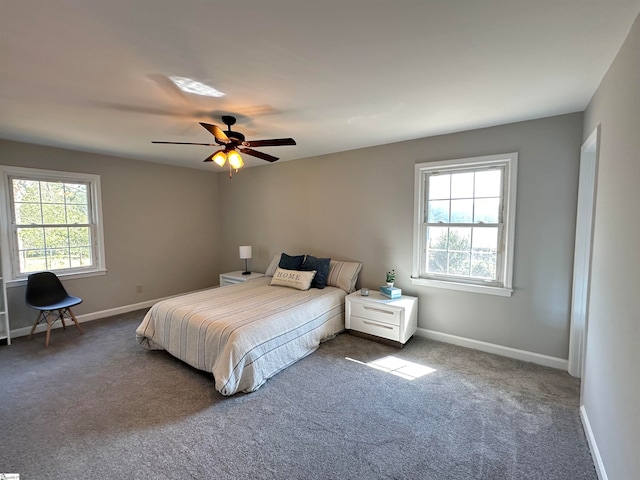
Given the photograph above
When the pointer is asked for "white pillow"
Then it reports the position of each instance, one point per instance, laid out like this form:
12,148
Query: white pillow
273,265
293,278
343,275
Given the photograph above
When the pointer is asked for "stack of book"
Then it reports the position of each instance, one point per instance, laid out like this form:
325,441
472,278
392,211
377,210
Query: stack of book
391,292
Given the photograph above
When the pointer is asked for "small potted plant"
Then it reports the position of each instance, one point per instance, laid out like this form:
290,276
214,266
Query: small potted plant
391,277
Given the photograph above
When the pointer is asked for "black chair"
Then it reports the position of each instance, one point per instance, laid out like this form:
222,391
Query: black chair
46,293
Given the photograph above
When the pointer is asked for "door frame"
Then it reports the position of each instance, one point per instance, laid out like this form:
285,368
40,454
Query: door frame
585,216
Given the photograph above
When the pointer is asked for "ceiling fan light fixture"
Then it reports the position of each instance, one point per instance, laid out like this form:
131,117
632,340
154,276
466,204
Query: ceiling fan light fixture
193,86
235,160
220,157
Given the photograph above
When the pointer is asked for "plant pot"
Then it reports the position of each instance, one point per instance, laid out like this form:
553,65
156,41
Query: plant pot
390,284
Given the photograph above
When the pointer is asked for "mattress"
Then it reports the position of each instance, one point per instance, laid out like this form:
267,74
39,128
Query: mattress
243,333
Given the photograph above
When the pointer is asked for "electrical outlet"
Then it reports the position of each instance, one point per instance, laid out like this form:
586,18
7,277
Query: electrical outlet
138,288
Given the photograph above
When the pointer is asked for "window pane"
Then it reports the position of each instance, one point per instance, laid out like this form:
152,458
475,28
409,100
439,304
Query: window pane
485,239
26,190
79,236
57,237
437,262
461,211
439,186
438,211
483,265
459,264
30,238
77,214
76,193
487,210
52,192
32,261
488,183
58,258
438,238
28,214
53,213
80,257
484,254
462,185
460,239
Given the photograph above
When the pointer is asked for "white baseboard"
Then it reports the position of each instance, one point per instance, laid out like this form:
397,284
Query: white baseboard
546,360
593,446
87,317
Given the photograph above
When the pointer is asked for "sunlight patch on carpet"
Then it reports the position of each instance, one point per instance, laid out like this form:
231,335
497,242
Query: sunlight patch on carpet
397,366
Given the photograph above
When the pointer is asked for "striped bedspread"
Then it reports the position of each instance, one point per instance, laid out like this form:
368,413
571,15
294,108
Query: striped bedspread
243,333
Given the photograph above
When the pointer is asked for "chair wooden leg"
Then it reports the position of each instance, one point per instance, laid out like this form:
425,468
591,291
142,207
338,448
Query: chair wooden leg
73,317
50,323
33,329
51,319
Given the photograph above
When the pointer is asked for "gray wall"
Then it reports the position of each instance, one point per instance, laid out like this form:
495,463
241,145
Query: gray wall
359,205
160,228
174,229
611,389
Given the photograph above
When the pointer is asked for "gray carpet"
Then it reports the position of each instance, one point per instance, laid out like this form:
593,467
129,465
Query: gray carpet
98,406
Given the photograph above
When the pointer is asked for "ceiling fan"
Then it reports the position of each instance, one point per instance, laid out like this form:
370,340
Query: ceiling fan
233,141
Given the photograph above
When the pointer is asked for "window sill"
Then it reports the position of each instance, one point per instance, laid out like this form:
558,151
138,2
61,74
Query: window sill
464,287
63,276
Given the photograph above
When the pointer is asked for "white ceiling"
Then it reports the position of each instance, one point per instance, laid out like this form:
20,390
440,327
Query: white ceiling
335,75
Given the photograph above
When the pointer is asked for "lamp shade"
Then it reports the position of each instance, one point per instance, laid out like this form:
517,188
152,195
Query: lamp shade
220,157
245,251
235,160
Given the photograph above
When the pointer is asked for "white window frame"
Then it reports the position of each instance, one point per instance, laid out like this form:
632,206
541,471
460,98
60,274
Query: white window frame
508,161
8,236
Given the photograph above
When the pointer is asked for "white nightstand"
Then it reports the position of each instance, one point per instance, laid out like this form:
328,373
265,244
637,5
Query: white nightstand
230,278
381,318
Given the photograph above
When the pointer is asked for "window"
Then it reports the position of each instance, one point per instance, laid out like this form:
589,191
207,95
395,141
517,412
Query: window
53,222
465,218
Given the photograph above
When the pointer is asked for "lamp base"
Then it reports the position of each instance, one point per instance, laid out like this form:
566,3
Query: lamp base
246,268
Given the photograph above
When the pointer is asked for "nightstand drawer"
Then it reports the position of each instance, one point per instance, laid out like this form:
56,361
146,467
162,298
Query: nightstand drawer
372,327
378,312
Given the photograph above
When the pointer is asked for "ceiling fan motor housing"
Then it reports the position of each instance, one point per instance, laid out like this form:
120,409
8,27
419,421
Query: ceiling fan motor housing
236,137
228,120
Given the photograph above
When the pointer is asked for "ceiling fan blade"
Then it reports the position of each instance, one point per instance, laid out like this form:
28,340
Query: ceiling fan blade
255,153
188,143
216,132
274,142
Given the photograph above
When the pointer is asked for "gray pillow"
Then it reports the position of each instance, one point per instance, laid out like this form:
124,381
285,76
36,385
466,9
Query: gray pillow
289,262
321,266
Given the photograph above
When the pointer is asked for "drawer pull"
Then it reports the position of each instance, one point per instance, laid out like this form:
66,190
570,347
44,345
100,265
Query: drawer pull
378,310
377,325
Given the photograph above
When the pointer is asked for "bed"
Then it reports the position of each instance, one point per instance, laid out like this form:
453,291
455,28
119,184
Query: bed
247,332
